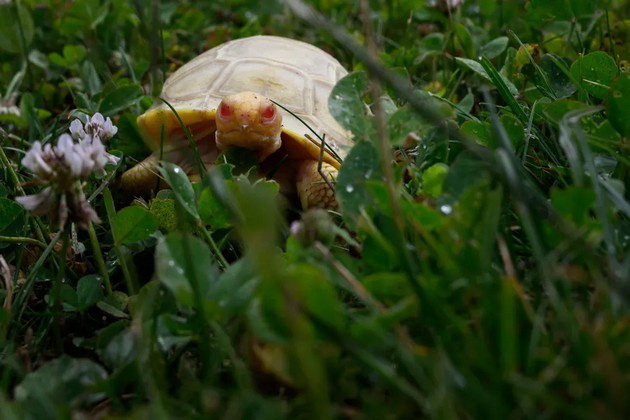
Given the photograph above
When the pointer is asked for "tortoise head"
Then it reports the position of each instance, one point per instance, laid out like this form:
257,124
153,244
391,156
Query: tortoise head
251,121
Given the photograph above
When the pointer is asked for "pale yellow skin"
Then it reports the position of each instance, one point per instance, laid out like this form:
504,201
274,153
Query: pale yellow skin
246,126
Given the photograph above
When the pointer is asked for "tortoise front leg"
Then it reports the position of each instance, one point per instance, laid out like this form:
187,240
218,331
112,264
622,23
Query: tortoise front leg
313,190
142,178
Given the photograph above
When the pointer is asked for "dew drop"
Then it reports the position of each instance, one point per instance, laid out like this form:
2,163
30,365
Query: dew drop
349,188
446,209
176,170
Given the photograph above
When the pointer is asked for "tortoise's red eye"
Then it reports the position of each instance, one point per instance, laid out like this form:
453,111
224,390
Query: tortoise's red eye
268,114
224,111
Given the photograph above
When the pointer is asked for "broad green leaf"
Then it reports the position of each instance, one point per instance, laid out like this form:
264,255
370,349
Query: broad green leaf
556,110
212,211
495,47
11,217
68,297
405,120
62,381
57,59
433,178
514,129
73,54
481,132
573,203
559,81
431,45
402,123
120,350
181,261
595,73
317,294
465,40
618,105
361,164
347,107
181,186
133,224
12,37
474,66
115,304
388,287
426,217
120,98
88,291
235,286
92,81
465,172
563,9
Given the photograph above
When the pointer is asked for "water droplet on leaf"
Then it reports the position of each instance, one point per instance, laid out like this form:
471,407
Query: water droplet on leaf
446,209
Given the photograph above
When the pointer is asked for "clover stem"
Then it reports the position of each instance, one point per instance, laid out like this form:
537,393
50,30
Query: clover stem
100,261
111,214
22,240
56,290
215,249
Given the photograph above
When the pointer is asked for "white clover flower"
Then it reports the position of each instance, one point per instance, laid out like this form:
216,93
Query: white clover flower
63,168
99,127
35,161
76,129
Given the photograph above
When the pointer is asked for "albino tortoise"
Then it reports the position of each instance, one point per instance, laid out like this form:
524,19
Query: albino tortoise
225,97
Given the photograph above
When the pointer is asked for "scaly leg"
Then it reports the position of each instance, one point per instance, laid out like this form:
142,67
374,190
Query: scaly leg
313,191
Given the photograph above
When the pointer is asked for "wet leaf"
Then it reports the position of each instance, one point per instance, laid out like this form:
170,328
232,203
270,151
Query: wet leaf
88,291
115,305
61,381
514,129
480,131
181,261
12,217
120,99
212,211
362,164
465,40
559,81
495,47
12,37
133,224
595,72
573,203
465,172
433,178
556,110
618,105
182,188
347,107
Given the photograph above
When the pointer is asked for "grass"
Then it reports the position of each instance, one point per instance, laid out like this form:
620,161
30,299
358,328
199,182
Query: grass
478,267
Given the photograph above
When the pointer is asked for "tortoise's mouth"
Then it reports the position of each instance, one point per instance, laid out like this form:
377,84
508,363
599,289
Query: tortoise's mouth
248,138
245,137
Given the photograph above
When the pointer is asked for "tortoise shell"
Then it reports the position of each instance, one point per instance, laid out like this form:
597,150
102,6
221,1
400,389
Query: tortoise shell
296,75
